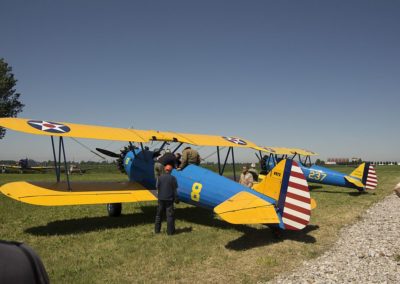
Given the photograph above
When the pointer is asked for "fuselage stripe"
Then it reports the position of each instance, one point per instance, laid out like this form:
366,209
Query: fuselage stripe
297,175
298,180
299,186
296,169
298,197
298,192
295,218
293,224
299,209
298,203
296,213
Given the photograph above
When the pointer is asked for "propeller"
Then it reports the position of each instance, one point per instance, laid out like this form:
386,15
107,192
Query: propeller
108,153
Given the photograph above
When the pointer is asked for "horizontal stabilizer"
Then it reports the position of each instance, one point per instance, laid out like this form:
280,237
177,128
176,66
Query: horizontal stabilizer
57,194
313,203
247,208
354,181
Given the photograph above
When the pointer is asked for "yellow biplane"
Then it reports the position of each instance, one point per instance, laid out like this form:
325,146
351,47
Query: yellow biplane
23,166
281,199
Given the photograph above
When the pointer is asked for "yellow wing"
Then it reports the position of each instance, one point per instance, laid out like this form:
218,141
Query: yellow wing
287,151
40,127
57,194
247,208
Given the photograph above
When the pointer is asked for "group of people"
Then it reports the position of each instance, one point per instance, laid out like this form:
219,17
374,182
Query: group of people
167,185
176,161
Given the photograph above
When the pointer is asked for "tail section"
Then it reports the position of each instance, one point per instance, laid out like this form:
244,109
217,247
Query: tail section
366,174
287,184
296,201
371,180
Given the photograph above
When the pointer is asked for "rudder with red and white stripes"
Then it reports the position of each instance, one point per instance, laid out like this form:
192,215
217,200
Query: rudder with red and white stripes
295,201
371,181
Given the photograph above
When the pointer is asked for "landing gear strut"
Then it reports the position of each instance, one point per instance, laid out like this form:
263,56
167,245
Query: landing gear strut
114,209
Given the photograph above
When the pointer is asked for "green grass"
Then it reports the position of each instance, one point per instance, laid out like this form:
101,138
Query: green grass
80,244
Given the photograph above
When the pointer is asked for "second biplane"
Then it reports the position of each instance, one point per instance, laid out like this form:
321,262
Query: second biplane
282,199
24,166
363,178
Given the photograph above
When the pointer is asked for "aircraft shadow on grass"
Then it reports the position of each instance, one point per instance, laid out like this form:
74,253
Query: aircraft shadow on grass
351,193
314,187
319,188
251,238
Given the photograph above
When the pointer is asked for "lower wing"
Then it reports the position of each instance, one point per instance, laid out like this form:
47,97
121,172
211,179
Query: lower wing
57,194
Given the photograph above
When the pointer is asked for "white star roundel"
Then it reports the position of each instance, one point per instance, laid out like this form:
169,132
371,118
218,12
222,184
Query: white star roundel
48,126
235,140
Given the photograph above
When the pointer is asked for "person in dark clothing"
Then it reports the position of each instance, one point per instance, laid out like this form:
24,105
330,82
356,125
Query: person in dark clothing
19,263
167,193
168,159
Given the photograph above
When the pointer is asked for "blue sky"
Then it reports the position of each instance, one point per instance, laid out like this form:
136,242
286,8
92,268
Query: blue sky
321,75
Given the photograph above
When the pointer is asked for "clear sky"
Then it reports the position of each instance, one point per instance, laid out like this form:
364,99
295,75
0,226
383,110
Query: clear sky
321,75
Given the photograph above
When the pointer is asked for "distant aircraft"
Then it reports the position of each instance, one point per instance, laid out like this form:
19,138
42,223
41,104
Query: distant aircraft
75,169
362,178
23,166
282,199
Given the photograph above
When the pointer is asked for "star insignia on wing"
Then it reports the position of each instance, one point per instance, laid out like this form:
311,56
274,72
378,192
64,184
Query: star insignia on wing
235,140
48,126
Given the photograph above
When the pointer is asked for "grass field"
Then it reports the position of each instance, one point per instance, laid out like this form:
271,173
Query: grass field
80,244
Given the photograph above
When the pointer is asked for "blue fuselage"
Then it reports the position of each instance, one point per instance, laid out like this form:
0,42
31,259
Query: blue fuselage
325,176
321,175
196,185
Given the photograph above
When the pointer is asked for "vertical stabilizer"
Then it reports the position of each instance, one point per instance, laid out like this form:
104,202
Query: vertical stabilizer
371,180
295,200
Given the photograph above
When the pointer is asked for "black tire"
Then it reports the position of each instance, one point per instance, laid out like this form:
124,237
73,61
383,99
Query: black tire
114,209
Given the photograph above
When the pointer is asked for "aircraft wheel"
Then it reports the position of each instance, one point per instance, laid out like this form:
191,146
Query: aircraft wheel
114,209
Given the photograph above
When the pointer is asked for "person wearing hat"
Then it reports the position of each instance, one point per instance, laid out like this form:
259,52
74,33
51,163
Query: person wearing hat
166,186
253,171
189,156
246,178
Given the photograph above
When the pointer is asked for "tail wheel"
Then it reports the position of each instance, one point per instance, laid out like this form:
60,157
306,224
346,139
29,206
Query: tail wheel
114,209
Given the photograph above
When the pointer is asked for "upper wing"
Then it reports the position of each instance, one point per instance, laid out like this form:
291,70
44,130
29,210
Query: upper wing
287,151
49,128
57,194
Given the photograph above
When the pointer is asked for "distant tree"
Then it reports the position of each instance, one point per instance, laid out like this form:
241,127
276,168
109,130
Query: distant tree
10,105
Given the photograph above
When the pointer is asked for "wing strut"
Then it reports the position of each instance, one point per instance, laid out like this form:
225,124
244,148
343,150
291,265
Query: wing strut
233,164
221,171
55,160
226,159
177,147
57,164
219,161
